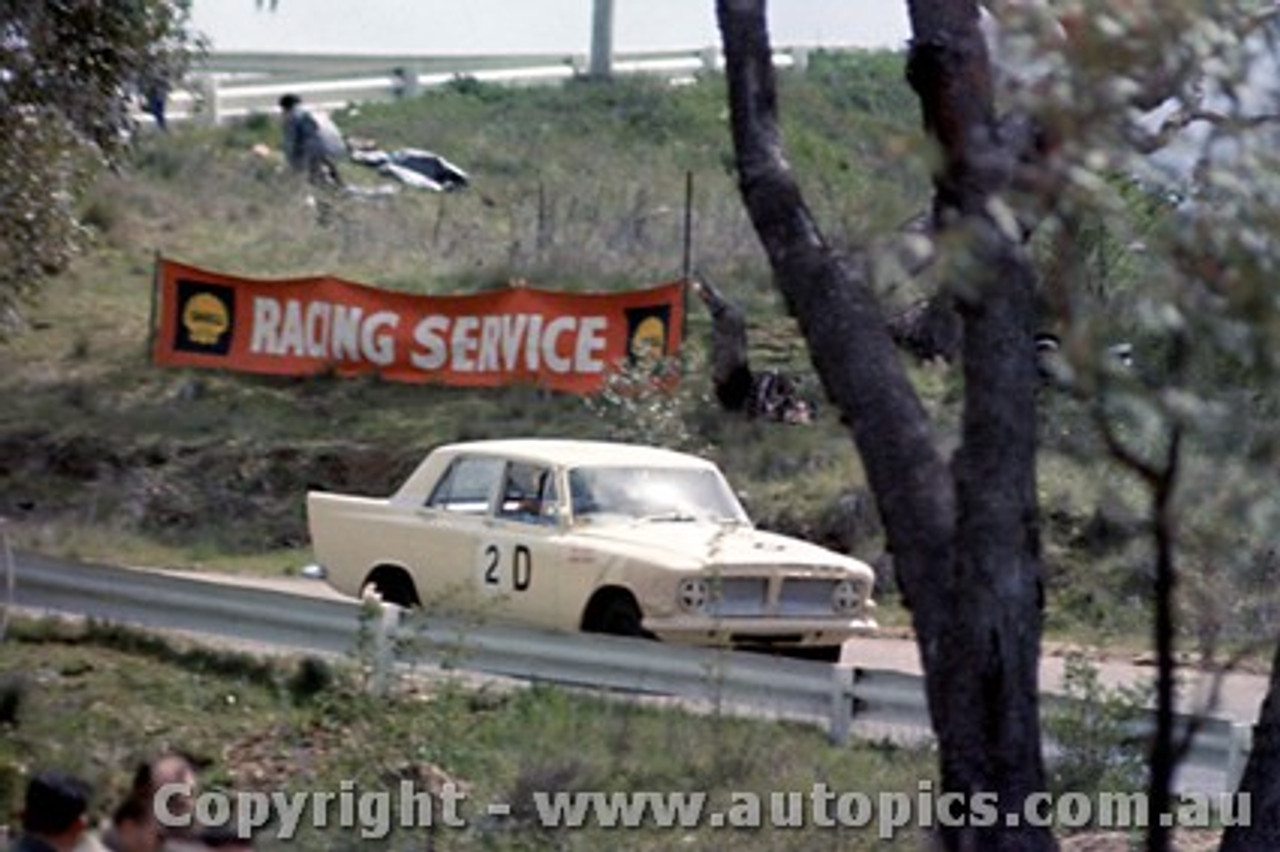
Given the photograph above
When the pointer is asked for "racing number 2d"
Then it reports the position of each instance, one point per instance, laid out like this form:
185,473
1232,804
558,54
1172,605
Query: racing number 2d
521,567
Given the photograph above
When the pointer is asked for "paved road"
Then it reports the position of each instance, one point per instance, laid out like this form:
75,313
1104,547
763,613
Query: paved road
1240,696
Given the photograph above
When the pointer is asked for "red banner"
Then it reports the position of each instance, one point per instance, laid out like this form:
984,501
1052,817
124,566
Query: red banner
304,326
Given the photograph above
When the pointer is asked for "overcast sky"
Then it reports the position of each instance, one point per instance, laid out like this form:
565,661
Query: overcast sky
527,26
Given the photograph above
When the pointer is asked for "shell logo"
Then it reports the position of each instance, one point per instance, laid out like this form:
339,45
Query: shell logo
205,318
649,340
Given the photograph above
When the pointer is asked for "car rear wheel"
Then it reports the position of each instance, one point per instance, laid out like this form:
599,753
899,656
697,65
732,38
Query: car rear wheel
392,585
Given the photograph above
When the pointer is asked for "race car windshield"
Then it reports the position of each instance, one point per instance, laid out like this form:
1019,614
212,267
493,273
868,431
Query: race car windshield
653,494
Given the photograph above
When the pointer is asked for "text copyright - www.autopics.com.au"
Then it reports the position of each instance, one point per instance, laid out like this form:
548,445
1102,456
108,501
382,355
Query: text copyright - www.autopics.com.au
374,814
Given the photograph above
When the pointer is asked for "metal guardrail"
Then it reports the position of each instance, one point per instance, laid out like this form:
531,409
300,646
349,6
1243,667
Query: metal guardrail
794,689
157,600
833,696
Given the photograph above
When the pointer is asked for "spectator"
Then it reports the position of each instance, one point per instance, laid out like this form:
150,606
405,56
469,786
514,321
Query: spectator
155,95
305,147
53,814
770,394
774,396
402,85
150,780
133,827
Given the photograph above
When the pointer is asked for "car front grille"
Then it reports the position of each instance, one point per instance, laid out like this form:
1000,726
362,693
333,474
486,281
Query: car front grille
739,596
806,596
779,596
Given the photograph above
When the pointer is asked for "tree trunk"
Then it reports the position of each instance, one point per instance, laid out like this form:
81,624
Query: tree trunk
965,539
1261,779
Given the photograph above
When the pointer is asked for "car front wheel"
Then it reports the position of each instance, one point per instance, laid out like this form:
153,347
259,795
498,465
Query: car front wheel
618,614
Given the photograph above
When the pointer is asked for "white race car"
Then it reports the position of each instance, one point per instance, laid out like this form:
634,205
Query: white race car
593,536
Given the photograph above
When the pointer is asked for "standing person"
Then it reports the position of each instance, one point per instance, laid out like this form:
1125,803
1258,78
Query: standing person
54,813
155,95
304,145
399,82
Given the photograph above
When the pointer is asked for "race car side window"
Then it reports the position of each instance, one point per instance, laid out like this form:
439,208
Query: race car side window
467,485
529,494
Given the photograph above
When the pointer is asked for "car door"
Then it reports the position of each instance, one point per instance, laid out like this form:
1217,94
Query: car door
517,560
451,524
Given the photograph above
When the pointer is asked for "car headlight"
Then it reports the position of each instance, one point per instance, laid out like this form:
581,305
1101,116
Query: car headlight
846,596
693,594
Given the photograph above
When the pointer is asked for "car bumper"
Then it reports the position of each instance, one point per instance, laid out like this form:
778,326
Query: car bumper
791,632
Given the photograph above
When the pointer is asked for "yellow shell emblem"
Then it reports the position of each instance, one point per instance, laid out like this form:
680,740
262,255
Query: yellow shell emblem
205,318
649,340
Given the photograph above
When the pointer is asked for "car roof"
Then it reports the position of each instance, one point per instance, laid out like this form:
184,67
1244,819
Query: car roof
573,453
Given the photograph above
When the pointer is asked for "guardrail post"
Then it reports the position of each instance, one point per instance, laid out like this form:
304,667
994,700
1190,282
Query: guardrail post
384,647
1238,748
842,701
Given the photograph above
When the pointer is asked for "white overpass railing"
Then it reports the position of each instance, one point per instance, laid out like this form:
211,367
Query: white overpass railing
214,99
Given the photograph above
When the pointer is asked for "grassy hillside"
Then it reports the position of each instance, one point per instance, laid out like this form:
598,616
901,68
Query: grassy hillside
578,187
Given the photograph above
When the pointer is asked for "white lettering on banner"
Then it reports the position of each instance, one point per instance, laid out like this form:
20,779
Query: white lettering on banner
345,340
531,338
430,336
464,343
318,318
490,335
381,350
558,326
496,342
266,326
590,342
322,330
513,327
487,343
291,336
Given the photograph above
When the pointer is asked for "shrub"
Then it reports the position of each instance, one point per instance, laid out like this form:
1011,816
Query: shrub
13,691
311,677
1099,749
647,403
